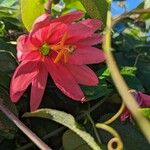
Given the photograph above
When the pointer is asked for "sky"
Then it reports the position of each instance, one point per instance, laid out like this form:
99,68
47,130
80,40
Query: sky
131,4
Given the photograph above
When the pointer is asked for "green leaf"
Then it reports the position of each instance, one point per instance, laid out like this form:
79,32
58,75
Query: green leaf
133,82
128,70
128,74
72,141
146,112
144,72
7,128
66,120
95,92
2,29
146,6
96,9
7,61
56,1
7,66
7,145
6,3
9,12
41,127
30,10
123,70
5,46
76,4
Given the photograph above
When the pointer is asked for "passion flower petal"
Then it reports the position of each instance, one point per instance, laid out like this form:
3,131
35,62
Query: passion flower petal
64,80
38,87
83,74
70,17
92,40
142,99
21,79
86,55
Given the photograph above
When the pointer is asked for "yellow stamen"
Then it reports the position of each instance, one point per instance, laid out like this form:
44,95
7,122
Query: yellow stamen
66,57
62,42
71,48
59,56
62,49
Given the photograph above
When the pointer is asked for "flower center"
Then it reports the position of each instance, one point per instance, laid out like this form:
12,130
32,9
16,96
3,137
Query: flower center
45,49
63,50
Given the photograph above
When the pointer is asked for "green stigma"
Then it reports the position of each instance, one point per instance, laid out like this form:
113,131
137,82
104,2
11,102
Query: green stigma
45,49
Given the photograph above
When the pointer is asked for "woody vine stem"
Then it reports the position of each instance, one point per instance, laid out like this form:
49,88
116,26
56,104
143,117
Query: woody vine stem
48,6
33,137
119,81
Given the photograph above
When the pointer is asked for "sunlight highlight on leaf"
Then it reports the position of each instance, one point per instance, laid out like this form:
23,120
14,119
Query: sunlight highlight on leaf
30,10
66,120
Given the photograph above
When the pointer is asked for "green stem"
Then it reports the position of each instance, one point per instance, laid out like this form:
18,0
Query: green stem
48,6
93,107
137,58
94,128
113,118
117,138
120,83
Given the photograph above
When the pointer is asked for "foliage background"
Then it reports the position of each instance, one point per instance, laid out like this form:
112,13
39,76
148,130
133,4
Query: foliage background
130,42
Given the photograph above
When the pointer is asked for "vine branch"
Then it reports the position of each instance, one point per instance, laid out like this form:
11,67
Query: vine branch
113,118
33,137
48,6
120,83
94,128
125,15
116,139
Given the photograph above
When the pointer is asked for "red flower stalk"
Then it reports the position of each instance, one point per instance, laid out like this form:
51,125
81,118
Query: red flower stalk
61,48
